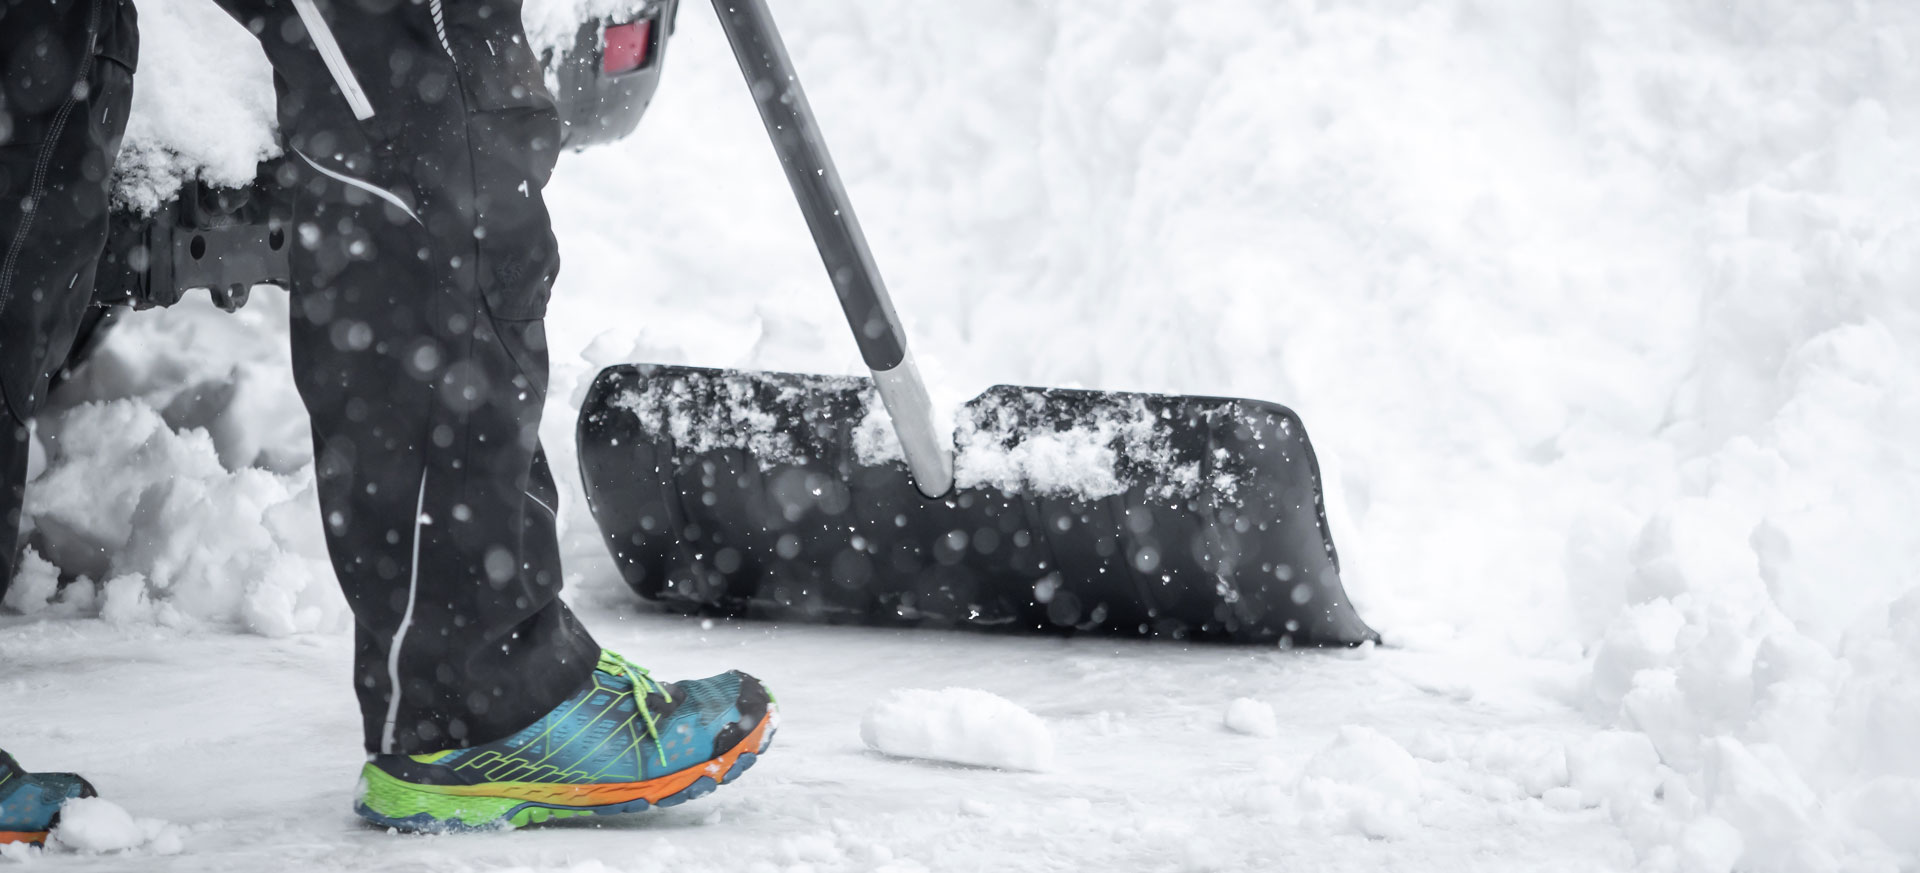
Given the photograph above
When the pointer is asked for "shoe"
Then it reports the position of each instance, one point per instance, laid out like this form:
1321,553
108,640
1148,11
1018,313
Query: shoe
623,743
30,802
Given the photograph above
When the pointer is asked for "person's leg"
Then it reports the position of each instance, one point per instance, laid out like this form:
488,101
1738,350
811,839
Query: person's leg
421,270
420,276
66,81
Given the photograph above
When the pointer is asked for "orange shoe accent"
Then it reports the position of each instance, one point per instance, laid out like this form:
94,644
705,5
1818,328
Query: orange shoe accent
610,793
35,837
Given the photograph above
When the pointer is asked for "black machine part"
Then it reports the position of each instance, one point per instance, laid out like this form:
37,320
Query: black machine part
229,240
601,105
226,240
739,492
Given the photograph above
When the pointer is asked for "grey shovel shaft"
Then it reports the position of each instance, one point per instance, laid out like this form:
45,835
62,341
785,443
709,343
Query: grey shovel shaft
836,233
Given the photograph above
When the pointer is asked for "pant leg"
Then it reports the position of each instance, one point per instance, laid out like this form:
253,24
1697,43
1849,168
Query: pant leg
66,82
420,277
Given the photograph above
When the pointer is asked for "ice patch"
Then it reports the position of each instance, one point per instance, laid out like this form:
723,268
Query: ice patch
94,825
960,726
1252,717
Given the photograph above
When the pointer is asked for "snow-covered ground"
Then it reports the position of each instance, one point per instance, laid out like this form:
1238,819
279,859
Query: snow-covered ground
1603,315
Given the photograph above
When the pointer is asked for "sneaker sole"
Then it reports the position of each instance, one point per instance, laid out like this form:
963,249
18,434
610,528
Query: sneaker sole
33,837
417,808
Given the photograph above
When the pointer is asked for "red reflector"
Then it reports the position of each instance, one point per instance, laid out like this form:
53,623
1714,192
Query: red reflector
627,46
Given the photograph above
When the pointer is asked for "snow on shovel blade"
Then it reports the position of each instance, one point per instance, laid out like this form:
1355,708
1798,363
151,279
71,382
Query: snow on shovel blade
1131,514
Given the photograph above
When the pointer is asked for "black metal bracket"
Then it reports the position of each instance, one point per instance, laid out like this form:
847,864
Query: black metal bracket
225,240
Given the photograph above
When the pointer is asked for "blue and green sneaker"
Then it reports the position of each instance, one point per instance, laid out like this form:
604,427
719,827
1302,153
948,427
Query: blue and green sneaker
30,802
624,743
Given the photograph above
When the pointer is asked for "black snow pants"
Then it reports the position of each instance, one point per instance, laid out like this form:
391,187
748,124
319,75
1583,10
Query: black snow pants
423,260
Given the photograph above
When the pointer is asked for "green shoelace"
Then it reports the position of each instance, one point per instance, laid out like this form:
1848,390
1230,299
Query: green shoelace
611,662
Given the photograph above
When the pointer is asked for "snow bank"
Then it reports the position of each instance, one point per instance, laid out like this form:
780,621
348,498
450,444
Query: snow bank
94,825
176,482
960,726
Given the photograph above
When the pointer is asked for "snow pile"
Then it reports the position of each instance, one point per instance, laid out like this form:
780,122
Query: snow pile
1252,717
174,535
960,726
1364,783
35,583
94,825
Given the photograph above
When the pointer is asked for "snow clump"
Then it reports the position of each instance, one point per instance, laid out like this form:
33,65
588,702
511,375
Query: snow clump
960,726
1252,717
94,824
1364,783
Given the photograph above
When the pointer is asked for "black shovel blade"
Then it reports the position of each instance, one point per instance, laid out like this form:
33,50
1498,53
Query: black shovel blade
784,495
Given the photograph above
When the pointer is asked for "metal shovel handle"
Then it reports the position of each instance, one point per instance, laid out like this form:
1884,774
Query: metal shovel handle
836,233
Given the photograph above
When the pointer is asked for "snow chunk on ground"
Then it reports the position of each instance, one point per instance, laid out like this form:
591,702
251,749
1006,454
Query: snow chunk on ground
961,726
1252,717
95,824
1364,783
34,584
1616,767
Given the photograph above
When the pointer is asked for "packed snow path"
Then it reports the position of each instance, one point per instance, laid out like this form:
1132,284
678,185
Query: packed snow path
248,747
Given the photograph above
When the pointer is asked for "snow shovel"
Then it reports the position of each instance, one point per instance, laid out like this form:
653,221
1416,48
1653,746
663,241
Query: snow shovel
838,499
